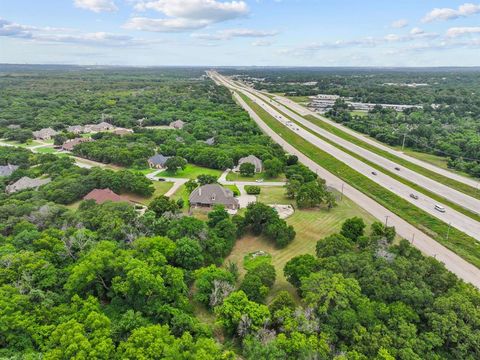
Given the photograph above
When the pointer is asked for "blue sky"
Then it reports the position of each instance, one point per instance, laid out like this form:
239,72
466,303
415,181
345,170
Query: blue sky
236,32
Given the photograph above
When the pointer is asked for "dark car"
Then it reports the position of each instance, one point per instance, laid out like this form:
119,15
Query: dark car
397,168
413,196
160,179
374,173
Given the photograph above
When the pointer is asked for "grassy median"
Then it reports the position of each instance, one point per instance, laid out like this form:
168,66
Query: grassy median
460,243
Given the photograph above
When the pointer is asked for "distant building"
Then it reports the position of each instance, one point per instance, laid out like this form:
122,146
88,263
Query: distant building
122,131
76,129
44,134
210,141
251,159
26,183
101,196
70,144
158,161
178,124
7,170
211,195
103,126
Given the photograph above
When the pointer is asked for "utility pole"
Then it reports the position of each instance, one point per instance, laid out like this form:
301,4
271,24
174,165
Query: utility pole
386,220
448,231
404,138
413,238
341,197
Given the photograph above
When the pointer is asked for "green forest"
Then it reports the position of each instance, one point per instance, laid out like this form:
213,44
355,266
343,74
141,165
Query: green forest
447,126
106,281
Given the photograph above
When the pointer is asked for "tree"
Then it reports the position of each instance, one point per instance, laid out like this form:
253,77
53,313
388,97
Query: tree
291,188
174,163
330,199
191,185
281,301
239,315
59,139
205,179
353,228
273,167
333,245
254,288
300,267
292,160
380,230
326,292
188,254
247,169
204,282
217,215
162,204
310,195
258,216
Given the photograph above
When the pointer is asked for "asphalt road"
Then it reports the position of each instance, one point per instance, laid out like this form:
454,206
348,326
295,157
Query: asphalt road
450,216
420,240
304,111
460,198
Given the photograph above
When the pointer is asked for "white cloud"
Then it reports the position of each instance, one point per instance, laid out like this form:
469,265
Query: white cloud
399,24
232,33
96,5
464,10
186,14
417,31
67,36
459,31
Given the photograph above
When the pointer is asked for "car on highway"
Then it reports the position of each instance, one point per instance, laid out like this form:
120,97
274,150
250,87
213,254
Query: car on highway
439,208
397,168
374,173
414,196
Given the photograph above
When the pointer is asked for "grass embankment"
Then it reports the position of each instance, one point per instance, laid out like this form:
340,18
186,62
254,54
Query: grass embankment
233,176
465,246
310,225
454,184
358,142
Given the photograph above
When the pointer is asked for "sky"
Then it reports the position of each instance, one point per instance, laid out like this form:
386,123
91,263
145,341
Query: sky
240,32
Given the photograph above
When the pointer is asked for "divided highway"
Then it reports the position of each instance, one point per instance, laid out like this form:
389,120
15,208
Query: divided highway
450,216
304,112
423,242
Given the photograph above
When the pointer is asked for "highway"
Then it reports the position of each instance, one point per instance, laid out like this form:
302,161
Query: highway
450,216
420,240
458,197
475,184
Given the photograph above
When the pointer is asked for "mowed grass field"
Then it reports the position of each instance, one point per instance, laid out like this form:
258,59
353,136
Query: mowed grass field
161,187
191,172
310,226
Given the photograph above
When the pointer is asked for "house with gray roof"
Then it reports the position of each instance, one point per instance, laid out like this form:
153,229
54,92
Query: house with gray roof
7,170
76,129
44,134
26,183
213,194
177,124
251,159
158,161
103,126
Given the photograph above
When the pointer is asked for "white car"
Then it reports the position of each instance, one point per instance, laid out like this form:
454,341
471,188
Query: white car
259,180
439,208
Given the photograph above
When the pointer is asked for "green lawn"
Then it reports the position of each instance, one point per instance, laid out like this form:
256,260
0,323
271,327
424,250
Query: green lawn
161,187
143,171
233,176
191,172
46,150
459,242
310,225
23,145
